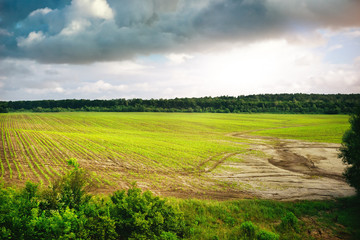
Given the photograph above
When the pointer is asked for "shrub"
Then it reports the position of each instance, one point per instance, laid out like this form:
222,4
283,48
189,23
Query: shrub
289,222
265,235
66,211
168,236
99,224
143,216
56,224
68,191
247,230
16,210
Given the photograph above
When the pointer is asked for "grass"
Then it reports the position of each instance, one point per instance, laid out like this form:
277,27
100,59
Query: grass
328,128
168,144
338,219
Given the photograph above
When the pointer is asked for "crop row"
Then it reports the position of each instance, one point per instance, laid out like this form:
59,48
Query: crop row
36,146
118,147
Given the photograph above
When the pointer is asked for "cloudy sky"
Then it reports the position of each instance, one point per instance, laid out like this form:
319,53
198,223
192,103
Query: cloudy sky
105,49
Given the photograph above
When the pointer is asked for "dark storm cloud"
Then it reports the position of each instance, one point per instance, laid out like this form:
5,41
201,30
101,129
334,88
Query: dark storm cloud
238,20
326,13
84,31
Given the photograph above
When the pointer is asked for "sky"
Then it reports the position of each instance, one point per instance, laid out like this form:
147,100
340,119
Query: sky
108,49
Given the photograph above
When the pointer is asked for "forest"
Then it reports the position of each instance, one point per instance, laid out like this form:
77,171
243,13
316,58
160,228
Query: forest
261,103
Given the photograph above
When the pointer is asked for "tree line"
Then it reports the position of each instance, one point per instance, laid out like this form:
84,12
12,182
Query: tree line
260,103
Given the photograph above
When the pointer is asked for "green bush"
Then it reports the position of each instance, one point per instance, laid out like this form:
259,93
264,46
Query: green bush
68,191
140,215
289,222
265,235
99,223
64,211
168,236
56,224
247,230
16,211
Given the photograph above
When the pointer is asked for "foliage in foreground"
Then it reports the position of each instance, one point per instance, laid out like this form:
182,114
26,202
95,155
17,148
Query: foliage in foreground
350,152
66,211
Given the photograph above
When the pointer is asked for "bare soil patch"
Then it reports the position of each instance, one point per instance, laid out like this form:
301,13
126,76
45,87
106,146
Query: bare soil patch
289,170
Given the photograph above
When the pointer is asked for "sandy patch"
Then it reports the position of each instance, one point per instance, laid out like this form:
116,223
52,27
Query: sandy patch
288,170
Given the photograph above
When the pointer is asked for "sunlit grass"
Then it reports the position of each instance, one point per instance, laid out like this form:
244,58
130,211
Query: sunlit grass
145,143
317,128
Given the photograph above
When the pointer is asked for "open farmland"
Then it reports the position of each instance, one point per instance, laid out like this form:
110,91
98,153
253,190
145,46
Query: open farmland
198,155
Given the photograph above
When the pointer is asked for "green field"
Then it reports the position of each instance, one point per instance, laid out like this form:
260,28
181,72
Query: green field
168,152
158,150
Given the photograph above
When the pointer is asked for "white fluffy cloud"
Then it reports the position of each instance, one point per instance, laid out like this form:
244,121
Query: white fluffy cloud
91,8
40,11
100,87
34,38
273,66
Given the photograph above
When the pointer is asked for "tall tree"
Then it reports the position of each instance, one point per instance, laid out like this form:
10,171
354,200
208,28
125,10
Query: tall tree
350,152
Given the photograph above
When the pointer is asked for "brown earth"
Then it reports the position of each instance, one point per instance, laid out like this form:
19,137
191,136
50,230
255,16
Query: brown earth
288,170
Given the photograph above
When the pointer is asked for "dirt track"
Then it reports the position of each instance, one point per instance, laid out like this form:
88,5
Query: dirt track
289,170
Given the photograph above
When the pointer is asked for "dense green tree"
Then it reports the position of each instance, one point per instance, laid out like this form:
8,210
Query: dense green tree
270,103
350,152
